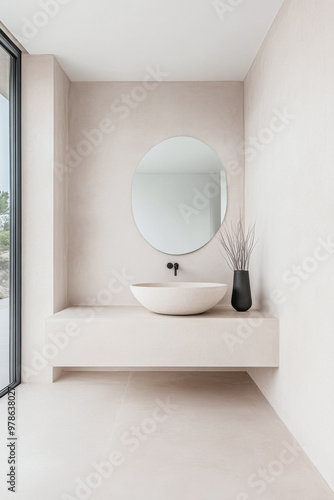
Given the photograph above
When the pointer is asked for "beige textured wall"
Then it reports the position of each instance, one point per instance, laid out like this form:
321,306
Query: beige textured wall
61,103
37,205
289,169
44,131
106,251
4,62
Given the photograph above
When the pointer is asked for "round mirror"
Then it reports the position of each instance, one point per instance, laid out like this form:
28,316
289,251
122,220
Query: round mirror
179,195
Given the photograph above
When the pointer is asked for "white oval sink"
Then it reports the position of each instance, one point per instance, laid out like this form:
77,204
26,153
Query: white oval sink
178,298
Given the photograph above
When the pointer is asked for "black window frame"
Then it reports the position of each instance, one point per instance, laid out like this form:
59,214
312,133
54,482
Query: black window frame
15,212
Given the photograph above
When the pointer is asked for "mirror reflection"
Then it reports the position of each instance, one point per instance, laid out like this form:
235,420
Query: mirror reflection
179,195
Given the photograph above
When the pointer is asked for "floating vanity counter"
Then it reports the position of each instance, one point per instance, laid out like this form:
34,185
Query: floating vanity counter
122,337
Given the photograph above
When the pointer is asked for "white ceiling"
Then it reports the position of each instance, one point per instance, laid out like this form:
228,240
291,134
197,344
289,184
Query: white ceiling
115,40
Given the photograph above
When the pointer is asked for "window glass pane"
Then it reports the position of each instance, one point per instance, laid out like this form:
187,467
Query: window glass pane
4,217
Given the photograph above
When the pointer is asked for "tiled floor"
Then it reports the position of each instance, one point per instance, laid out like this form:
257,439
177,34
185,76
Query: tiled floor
154,436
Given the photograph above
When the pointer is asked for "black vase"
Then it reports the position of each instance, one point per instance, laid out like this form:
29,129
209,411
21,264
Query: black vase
241,294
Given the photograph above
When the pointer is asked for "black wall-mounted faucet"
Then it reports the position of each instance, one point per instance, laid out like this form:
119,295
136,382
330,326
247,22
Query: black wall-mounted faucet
176,266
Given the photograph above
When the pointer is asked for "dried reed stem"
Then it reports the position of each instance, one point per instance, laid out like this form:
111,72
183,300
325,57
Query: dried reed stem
236,245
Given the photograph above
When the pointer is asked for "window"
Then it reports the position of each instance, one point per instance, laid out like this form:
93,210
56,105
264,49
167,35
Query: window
10,214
